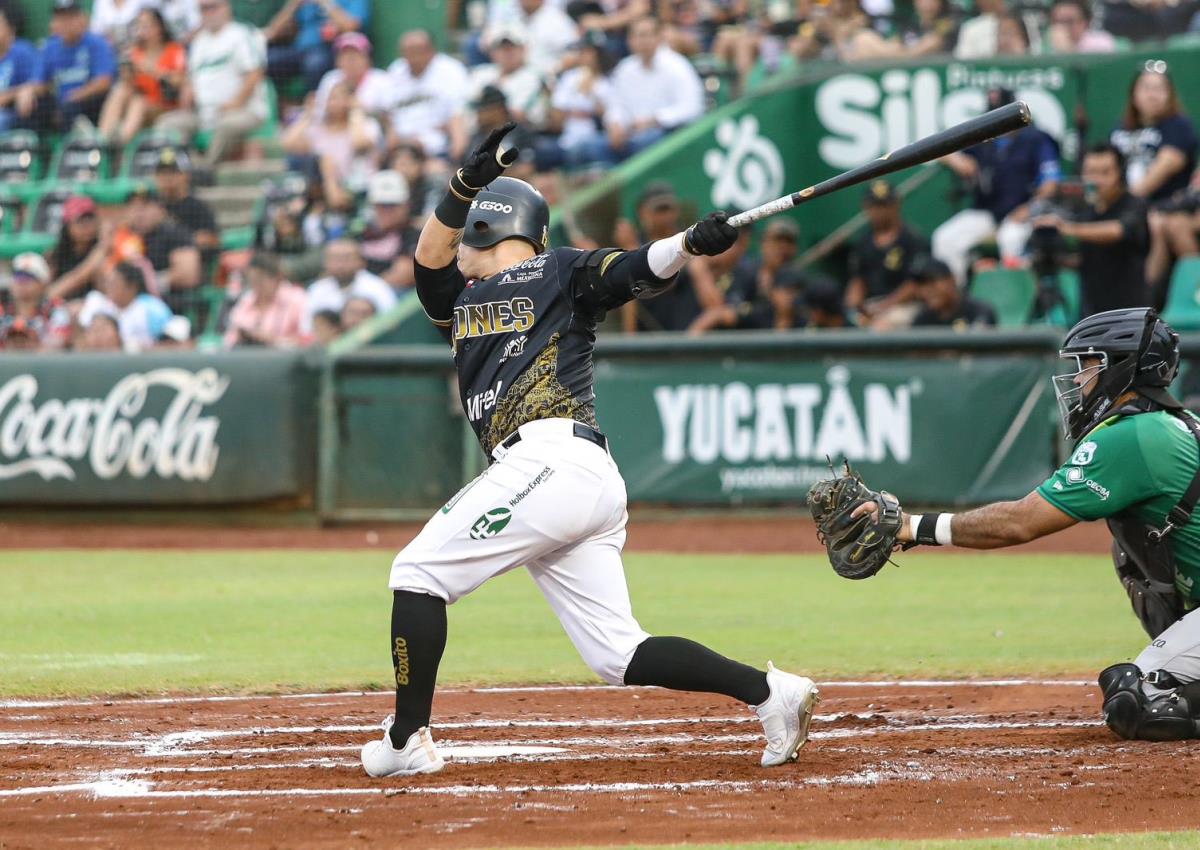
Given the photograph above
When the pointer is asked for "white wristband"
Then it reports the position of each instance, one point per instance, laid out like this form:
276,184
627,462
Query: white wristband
913,521
942,531
666,257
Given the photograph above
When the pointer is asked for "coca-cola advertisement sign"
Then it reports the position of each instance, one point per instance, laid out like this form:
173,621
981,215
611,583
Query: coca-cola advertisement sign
151,424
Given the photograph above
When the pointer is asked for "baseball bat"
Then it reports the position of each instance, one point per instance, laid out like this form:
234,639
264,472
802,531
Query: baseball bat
989,125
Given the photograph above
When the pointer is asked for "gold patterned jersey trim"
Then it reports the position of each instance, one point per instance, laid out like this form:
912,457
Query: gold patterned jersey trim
536,394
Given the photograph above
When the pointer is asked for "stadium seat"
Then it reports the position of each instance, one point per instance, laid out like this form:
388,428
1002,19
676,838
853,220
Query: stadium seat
43,221
137,166
1010,292
12,210
268,130
81,158
20,162
1183,298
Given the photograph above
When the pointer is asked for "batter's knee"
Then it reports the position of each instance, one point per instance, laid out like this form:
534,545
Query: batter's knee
609,662
1132,715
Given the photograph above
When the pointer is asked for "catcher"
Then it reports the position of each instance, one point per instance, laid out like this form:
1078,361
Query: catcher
1136,464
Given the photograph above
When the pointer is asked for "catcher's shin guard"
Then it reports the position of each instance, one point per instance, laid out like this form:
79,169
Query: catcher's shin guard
1131,715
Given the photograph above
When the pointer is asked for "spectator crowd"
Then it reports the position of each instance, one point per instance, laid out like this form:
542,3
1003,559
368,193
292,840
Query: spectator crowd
589,83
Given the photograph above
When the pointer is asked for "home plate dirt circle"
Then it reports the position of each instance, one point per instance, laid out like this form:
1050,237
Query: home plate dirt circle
565,766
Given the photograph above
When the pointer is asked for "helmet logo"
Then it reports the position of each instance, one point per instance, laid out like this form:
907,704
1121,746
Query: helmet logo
491,206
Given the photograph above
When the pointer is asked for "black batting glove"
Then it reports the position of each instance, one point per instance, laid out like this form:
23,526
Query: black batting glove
487,162
710,236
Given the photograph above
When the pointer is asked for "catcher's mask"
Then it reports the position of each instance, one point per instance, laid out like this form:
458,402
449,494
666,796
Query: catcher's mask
508,208
1110,354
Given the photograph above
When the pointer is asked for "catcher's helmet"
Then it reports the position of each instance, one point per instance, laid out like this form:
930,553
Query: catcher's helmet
1134,350
508,208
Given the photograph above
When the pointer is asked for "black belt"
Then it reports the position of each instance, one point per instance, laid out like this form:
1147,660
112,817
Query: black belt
583,432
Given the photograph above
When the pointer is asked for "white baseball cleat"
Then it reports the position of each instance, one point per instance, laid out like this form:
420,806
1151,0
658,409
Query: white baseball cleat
380,758
786,714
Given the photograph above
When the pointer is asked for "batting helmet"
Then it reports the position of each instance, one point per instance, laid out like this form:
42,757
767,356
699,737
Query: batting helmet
508,208
1133,350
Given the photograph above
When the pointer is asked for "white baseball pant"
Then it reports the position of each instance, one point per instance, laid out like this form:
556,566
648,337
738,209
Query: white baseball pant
954,238
555,504
1177,650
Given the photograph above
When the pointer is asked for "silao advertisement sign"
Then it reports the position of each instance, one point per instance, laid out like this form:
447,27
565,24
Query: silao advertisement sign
55,438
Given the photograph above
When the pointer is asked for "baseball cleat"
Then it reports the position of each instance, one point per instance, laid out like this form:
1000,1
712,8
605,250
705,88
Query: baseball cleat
380,758
786,714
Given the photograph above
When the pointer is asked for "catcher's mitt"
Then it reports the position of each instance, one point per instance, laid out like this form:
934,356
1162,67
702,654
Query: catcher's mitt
859,547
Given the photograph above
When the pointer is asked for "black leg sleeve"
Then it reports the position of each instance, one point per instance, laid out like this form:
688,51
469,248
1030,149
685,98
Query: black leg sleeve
418,640
684,665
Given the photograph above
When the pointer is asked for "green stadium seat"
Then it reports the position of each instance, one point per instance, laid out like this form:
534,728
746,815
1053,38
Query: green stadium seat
1066,314
1183,298
43,220
137,166
1010,292
80,158
20,163
1187,40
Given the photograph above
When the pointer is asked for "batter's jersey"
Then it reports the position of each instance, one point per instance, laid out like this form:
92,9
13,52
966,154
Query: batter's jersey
1143,464
523,343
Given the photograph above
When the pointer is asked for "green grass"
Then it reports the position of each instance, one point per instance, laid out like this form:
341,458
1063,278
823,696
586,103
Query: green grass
1124,841
77,622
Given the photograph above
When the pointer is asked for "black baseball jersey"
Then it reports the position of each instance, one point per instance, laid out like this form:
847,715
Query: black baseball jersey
523,338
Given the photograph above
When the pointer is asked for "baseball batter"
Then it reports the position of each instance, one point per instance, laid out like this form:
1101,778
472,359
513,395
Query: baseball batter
521,319
1136,464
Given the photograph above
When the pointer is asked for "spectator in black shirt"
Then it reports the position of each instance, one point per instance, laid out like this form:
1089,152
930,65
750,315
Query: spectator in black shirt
1159,145
823,307
168,248
944,303
388,237
658,217
1113,237
172,178
881,287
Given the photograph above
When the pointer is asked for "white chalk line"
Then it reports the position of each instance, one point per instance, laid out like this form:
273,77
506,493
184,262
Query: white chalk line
524,689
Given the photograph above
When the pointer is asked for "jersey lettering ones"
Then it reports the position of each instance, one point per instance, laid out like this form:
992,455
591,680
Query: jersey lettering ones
521,350
493,317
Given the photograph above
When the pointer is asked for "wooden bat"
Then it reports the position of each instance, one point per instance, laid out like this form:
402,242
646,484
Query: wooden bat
989,125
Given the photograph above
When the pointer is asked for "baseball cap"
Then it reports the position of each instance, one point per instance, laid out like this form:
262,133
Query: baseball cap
387,187
32,265
178,329
880,192
67,6
658,194
353,41
490,96
172,159
144,192
511,33
783,228
76,207
823,294
929,269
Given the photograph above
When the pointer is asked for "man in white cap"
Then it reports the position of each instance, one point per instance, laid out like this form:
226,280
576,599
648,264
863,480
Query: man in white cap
524,87
388,237
28,318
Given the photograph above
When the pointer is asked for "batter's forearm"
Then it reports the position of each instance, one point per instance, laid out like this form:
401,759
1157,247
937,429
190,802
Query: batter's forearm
438,244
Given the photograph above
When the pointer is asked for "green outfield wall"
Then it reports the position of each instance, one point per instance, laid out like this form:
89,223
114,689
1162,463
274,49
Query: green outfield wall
731,419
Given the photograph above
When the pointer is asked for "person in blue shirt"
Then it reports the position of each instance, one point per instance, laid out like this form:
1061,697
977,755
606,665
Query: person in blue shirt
1006,174
20,65
300,37
78,67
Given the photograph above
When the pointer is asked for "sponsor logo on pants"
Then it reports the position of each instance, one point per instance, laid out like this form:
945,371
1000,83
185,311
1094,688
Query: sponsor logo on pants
491,523
400,652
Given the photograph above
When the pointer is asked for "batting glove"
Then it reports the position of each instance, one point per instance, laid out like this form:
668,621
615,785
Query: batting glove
710,236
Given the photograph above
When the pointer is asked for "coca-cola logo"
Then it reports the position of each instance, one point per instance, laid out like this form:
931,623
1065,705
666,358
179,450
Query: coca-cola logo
47,437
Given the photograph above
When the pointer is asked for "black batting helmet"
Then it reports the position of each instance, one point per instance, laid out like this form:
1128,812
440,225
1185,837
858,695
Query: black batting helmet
1134,350
508,208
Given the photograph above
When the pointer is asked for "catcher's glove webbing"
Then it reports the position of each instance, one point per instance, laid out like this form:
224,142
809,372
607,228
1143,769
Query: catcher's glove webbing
857,547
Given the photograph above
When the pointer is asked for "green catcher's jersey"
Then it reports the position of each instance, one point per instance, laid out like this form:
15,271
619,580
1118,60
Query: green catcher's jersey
1142,463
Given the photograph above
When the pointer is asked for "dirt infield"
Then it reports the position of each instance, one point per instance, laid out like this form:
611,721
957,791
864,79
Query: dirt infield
565,766
713,533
